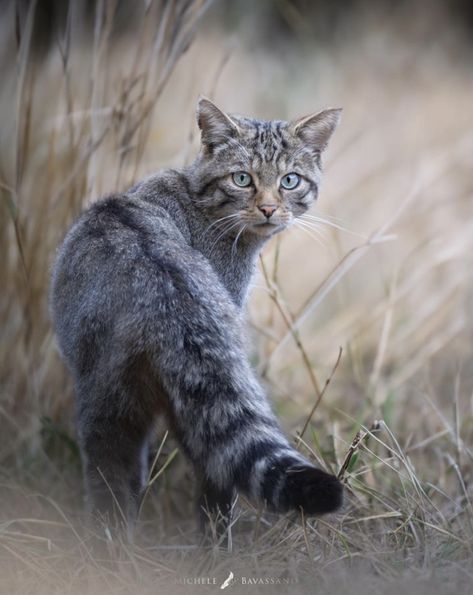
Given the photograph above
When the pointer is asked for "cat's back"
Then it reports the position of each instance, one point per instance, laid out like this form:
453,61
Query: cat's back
113,255
115,232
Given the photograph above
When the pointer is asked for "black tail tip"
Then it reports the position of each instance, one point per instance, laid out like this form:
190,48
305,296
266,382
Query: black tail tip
313,490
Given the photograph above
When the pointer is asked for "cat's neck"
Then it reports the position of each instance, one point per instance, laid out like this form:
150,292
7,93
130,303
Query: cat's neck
232,254
234,259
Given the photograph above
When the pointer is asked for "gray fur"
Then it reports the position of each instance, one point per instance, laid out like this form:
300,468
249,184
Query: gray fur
147,296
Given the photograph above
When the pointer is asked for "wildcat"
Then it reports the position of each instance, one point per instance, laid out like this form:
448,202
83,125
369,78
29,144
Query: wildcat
147,294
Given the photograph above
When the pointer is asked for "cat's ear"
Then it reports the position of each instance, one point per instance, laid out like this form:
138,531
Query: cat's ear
317,129
215,125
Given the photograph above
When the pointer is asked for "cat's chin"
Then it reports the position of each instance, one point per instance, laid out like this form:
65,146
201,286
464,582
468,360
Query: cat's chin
266,230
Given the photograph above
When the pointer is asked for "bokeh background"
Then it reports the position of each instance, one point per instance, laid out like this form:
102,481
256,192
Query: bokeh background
376,295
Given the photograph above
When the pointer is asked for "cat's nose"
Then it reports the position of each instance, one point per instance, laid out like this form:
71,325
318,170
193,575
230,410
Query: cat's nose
267,210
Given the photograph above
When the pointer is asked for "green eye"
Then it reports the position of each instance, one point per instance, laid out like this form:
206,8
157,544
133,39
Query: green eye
290,181
242,179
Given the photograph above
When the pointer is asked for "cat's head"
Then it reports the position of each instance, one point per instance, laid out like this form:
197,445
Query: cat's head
257,176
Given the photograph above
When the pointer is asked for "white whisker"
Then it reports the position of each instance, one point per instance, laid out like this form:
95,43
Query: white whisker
329,217
328,223
232,216
312,226
234,245
230,225
309,231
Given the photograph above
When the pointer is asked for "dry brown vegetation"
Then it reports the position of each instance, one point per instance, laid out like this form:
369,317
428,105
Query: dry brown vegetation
386,278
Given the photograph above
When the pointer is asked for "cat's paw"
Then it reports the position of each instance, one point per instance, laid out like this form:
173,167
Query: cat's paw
312,489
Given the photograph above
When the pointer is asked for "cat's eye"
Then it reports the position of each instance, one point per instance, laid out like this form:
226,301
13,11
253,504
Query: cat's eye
290,181
242,179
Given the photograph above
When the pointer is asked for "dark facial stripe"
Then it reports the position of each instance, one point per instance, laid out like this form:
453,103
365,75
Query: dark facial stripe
300,199
208,188
313,187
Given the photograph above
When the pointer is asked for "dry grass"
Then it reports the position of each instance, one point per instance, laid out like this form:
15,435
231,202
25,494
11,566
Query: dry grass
394,294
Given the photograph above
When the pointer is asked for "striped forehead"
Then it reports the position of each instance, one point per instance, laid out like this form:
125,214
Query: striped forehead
267,140
269,146
266,148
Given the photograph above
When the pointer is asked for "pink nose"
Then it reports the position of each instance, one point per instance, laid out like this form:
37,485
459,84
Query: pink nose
267,210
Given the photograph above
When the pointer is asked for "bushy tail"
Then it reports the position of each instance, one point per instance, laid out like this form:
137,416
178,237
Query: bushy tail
261,462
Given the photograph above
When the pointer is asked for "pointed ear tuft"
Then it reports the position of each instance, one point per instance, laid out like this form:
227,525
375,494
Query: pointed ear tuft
317,129
214,124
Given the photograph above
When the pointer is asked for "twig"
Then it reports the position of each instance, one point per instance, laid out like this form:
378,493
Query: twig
288,319
355,445
320,396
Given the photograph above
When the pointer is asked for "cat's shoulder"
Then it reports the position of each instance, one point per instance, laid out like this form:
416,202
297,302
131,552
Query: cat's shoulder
167,183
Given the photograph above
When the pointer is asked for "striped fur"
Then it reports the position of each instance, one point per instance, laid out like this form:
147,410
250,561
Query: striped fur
147,296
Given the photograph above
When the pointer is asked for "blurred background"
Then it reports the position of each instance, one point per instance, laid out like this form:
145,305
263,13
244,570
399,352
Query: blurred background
95,95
